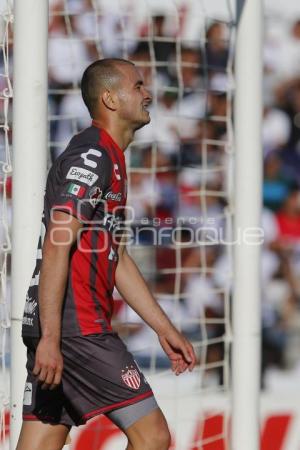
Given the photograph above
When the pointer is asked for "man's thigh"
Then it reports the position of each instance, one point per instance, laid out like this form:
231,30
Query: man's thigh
125,417
149,432
36,435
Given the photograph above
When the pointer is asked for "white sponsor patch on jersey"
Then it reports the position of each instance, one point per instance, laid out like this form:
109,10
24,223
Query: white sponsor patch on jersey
28,321
83,175
88,161
30,305
27,399
115,196
36,279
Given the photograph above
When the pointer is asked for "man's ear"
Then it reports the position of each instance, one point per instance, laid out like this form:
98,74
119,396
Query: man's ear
108,100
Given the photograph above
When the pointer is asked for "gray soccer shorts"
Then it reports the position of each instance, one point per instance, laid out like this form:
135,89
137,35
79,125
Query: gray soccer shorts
100,376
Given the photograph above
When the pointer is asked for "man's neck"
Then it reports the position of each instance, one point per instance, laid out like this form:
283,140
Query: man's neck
121,137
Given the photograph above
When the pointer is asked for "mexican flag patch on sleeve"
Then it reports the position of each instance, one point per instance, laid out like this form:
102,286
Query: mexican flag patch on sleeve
76,189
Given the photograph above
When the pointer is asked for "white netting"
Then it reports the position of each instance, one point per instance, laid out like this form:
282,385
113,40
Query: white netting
180,174
6,19
188,145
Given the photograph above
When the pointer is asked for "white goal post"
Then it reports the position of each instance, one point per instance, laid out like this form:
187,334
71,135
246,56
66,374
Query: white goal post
248,200
29,173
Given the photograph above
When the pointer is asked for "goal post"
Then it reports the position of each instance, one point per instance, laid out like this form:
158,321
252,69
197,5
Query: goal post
29,172
248,199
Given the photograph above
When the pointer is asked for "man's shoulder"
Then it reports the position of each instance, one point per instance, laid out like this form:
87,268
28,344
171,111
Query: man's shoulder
89,137
85,147
84,160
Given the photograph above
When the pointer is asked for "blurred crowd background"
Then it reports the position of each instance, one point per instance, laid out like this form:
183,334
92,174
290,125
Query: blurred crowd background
180,166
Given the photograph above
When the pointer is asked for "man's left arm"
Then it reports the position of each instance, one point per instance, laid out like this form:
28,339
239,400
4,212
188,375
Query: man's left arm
133,288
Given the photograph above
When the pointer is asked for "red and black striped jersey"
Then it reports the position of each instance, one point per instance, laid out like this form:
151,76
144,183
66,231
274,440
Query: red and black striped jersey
88,180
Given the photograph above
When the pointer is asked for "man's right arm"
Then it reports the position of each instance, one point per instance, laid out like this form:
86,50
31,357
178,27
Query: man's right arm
78,185
61,234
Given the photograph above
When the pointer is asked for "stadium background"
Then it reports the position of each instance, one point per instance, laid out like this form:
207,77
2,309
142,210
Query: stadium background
158,198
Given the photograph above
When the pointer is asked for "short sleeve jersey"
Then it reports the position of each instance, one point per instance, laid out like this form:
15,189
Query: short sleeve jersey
89,182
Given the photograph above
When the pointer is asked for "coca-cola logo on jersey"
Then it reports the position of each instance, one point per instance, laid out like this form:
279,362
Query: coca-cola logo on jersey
115,196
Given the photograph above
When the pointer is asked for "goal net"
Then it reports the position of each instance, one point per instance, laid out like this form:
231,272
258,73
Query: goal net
179,191
5,207
179,167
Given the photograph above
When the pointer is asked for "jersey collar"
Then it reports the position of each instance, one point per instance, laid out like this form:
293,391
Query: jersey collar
106,139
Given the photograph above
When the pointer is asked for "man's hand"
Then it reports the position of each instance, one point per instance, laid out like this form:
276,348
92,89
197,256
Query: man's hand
48,363
179,350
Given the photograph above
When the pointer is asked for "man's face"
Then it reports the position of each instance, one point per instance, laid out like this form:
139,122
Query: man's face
134,98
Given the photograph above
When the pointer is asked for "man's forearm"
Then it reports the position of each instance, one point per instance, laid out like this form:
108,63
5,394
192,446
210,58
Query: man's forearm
53,279
133,288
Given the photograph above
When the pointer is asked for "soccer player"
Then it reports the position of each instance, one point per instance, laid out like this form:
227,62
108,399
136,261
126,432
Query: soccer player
77,366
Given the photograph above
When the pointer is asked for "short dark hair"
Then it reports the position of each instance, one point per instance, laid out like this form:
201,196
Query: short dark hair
101,74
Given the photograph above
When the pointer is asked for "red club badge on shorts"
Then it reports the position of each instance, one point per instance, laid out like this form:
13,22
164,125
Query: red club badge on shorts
131,377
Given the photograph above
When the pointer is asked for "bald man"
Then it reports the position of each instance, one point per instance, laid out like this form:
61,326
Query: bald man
77,367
